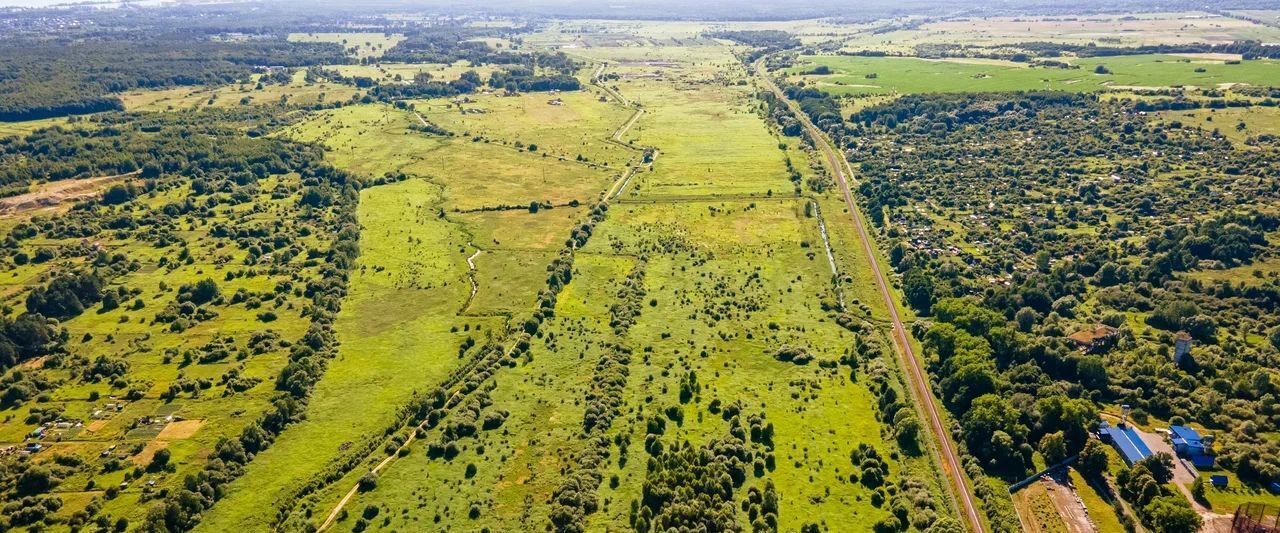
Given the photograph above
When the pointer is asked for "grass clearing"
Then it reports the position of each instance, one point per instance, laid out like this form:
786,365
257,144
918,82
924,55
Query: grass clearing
357,44
298,92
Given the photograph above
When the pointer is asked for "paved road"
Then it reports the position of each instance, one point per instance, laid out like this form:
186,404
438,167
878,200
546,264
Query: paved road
915,373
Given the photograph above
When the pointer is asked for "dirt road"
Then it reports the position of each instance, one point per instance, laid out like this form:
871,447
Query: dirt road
922,392
59,192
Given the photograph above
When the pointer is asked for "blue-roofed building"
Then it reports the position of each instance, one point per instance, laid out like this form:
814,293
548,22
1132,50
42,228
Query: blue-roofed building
1202,461
1126,441
1186,441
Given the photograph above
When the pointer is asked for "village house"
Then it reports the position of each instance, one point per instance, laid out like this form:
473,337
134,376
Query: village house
1096,339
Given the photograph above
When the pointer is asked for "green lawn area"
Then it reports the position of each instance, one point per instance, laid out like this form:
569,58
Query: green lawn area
887,75
1226,500
1099,507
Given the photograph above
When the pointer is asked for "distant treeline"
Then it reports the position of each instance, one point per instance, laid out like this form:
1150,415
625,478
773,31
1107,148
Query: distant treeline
1247,49
764,41
451,44
42,79
1026,52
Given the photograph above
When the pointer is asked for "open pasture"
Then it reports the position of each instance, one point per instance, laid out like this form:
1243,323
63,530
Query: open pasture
892,75
573,125
405,72
357,44
298,91
1103,30
701,118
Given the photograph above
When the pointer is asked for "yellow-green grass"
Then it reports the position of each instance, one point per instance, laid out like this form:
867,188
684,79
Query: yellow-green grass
396,334
820,415
387,72
520,230
178,98
1103,30
509,281
1257,121
888,75
479,175
1254,273
579,125
522,462
369,140
374,139
10,129
710,138
1098,506
357,44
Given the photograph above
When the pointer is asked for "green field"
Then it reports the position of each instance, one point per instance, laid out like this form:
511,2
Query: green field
298,91
358,44
570,274
694,250
889,75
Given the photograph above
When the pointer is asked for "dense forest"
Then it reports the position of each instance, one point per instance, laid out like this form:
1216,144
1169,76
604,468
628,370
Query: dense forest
42,78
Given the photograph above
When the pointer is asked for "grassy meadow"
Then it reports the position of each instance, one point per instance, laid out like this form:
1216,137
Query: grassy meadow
358,44
1102,29
889,75
728,282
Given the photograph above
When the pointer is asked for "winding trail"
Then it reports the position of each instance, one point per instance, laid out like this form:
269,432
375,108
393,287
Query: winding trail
471,276
920,384
831,255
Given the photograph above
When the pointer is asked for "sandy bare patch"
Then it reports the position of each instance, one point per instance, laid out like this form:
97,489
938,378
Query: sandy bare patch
1213,56
58,192
33,364
144,457
182,429
1068,504
1141,87
96,425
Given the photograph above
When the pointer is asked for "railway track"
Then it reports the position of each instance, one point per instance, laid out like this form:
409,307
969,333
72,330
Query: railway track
916,375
